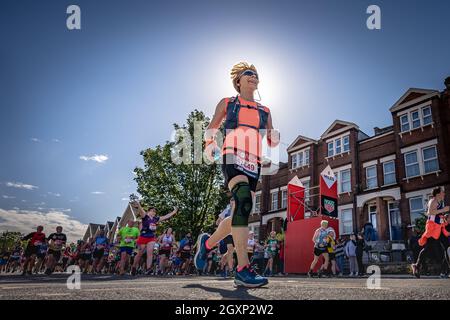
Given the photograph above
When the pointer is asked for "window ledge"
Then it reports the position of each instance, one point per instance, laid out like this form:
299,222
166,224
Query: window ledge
422,175
344,153
421,128
389,185
369,189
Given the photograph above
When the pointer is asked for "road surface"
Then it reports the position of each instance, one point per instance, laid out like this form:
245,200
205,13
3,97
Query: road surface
212,288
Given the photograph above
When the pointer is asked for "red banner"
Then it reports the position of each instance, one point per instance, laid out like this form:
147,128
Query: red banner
296,200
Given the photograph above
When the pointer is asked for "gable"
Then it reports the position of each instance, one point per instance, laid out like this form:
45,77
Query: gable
338,126
299,141
413,96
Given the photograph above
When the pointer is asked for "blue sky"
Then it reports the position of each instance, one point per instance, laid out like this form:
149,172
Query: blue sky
116,86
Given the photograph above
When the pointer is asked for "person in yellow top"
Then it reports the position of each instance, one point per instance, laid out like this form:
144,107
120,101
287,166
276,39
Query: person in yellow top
246,122
331,246
127,242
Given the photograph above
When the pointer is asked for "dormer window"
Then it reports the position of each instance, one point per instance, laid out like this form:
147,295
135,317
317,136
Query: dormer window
300,158
416,118
338,146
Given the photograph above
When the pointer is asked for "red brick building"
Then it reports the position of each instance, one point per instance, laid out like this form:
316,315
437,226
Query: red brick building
385,178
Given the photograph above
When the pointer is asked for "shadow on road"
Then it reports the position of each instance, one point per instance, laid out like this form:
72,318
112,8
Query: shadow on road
238,293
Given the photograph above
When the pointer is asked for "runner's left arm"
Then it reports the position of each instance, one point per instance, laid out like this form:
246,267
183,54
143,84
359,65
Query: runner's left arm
169,215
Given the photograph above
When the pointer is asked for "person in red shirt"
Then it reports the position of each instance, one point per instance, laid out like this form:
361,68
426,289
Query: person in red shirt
36,239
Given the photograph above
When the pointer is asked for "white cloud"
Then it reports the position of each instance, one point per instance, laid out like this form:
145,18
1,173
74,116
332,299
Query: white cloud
35,140
20,185
97,192
26,221
7,197
97,158
54,194
125,199
56,140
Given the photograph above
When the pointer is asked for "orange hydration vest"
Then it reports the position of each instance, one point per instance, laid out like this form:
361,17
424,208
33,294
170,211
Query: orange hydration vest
243,123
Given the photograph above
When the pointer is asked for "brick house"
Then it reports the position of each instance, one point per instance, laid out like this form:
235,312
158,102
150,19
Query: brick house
385,178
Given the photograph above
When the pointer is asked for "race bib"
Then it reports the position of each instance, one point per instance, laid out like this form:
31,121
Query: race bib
38,243
248,166
152,226
187,248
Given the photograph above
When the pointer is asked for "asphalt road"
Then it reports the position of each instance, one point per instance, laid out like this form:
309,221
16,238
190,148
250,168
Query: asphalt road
106,287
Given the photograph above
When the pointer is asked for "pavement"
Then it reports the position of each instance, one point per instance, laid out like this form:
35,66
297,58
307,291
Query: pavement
110,287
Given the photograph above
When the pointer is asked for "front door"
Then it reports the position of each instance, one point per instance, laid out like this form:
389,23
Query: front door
395,221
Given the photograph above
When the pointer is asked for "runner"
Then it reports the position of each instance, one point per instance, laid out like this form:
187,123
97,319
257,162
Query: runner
435,238
320,248
127,237
86,255
147,237
14,259
272,249
66,257
56,242
331,246
100,246
166,241
241,166
36,239
186,245
4,258
41,258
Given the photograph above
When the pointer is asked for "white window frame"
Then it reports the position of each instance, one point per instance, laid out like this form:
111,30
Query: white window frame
424,116
330,147
408,114
257,206
418,149
346,144
274,200
341,182
389,173
343,222
300,158
412,164
432,159
284,198
422,211
370,213
372,177
403,123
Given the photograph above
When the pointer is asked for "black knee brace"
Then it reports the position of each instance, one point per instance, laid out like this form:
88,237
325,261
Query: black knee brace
243,204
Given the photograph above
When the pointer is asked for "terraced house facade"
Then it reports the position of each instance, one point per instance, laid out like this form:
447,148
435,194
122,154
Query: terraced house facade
385,178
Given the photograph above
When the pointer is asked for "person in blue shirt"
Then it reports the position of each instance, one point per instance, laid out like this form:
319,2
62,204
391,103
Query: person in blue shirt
101,244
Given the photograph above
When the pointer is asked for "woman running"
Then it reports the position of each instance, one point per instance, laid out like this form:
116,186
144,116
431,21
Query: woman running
245,124
147,238
435,238
166,241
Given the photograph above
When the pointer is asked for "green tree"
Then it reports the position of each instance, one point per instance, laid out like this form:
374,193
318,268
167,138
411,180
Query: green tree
9,239
196,189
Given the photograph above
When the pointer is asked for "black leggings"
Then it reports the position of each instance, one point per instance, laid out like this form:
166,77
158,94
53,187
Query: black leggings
437,250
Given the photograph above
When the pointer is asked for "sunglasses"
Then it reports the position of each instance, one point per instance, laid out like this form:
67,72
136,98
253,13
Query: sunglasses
249,73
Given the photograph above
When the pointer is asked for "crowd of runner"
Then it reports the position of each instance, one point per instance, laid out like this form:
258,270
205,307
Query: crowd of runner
136,250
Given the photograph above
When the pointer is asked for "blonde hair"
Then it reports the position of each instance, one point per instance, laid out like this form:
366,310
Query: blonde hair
237,70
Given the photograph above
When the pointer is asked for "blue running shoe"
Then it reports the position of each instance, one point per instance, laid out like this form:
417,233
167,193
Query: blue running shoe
201,254
248,278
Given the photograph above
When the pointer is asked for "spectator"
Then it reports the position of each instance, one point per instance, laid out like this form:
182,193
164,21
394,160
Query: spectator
350,252
360,245
339,254
369,232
